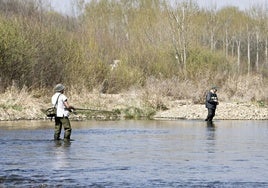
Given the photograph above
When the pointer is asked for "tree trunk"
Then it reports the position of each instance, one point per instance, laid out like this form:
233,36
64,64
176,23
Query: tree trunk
238,42
257,52
211,40
184,39
248,50
226,43
266,50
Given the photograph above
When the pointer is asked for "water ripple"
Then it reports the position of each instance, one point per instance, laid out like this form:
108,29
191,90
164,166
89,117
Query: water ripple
138,154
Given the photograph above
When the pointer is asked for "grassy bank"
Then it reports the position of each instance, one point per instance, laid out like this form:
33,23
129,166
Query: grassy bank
240,98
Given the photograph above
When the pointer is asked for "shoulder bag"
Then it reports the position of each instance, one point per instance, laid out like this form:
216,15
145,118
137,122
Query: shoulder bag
52,111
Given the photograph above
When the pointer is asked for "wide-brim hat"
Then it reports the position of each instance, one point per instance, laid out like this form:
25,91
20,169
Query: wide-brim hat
59,87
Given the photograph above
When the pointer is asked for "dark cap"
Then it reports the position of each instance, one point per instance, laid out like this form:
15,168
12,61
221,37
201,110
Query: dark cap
214,87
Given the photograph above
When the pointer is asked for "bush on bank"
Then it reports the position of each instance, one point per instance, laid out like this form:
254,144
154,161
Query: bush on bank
155,55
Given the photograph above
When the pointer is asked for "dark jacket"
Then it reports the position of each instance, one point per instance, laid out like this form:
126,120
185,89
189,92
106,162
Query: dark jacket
211,100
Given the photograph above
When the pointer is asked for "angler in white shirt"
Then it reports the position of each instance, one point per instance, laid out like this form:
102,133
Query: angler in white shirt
59,100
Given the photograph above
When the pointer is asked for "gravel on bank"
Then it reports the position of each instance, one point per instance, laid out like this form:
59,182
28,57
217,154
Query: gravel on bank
225,111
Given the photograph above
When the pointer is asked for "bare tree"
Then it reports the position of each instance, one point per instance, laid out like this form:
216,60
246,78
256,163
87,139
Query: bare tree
248,49
181,21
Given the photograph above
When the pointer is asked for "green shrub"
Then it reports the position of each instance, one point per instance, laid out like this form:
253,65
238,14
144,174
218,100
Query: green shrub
202,61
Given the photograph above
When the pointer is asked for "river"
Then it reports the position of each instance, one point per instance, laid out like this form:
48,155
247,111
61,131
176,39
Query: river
135,153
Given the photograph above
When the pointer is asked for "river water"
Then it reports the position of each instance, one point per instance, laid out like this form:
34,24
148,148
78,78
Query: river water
184,153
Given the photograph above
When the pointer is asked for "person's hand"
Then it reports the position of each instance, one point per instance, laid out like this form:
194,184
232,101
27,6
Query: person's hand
71,109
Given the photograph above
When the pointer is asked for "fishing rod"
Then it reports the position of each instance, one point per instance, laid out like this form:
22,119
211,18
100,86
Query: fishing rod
93,110
51,112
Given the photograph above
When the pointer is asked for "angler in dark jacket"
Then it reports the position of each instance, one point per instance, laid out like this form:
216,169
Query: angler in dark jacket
211,103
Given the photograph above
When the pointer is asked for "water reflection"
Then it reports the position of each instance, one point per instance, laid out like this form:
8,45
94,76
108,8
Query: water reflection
211,137
61,154
210,124
62,143
211,129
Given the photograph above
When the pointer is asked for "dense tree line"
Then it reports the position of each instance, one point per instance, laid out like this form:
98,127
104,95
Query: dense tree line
139,38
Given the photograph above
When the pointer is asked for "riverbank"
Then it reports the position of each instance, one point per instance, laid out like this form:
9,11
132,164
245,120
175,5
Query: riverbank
22,106
225,111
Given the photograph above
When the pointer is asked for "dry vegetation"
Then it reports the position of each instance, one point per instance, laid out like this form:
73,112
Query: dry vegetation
169,99
167,57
